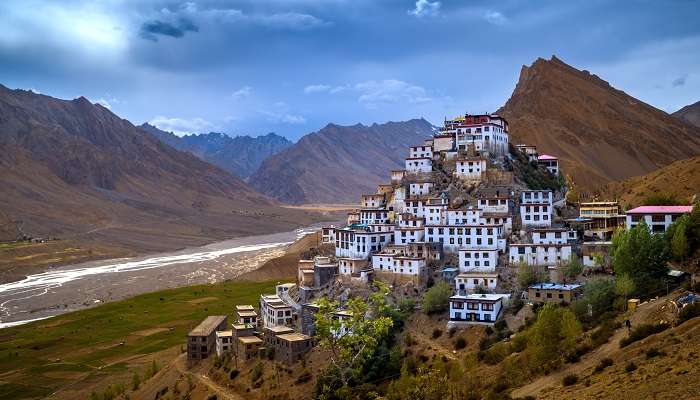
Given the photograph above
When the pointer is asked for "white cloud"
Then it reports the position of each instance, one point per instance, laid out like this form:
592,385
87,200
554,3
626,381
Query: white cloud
389,91
242,93
278,117
104,103
316,89
495,18
181,126
425,8
286,20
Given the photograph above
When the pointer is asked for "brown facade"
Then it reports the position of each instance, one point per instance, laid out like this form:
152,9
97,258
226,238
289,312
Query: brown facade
291,347
201,341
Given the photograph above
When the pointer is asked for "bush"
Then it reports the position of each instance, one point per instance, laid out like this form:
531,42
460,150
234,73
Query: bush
437,298
601,335
460,343
303,378
641,332
604,363
654,352
688,312
570,380
256,373
437,333
233,374
630,367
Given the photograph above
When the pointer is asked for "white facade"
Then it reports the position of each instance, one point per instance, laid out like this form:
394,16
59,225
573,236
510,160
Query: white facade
398,264
463,217
423,151
550,255
374,216
468,282
353,243
397,175
415,207
475,259
435,214
476,308
408,235
470,169
275,312
495,204
536,196
550,236
349,266
419,165
551,163
224,342
536,208
420,188
484,132
498,219
373,200
657,218
454,237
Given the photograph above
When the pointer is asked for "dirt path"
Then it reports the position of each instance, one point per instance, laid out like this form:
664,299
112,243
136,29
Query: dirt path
590,360
221,392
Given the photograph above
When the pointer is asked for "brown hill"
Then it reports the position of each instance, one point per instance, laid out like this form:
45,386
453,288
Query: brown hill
74,170
680,179
689,114
599,133
338,163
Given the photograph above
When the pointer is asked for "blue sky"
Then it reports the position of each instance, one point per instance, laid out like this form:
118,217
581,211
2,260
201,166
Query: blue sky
292,66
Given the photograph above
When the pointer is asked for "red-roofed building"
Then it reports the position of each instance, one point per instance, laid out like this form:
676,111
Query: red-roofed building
549,162
658,218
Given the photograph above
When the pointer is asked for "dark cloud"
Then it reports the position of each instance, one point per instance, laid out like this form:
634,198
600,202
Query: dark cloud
680,81
151,29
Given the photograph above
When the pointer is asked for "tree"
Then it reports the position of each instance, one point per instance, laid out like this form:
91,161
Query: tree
530,274
642,256
352,340
624,286
553,335
572,269
679,240
599,295
135,381
437,298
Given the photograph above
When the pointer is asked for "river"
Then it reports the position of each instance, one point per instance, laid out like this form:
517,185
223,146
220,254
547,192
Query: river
74,287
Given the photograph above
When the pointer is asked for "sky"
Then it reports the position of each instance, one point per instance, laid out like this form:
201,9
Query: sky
293,66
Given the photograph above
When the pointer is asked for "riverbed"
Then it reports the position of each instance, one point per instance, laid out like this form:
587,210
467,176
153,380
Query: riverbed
74,287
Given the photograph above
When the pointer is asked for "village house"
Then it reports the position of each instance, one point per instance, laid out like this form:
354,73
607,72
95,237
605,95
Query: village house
275,312
352,266
468,282
291,347
397,175
590,250
657,218
420,188
551,255
499,204
248,347
370,216
476,309
443,142
536,208
359,241
416,165
470,168
423,151
550,236
328,234
486,132
246,314
353,217
241,330
600,218
398,263
224,342
270,333
478,260
454,237
550,163
554,293
375,200
530,151
201,341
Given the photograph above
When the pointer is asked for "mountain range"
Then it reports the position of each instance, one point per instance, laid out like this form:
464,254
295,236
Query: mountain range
338,163
239,155
75,170
689,114
599,133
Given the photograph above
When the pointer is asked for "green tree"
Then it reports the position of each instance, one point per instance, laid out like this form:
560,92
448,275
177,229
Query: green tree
135,381
531,274
352,340
572,269
553,335
599,295
624,287
642,256
437,298
679,239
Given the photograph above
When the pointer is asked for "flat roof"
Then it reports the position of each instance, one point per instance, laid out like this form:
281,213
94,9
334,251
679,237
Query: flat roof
293,337
661,210
473,274
242,326
279,329
485,296
247,314
244,307
224,333
249,339
206,327
554,286
547,157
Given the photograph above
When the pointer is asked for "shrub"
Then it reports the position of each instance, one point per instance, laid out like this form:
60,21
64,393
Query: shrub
256,373
437,333
641,332
688,312
630,367
570,380
654,352
451,332
437,298
604,363
500,325
303,378
460,343
601,335
233,374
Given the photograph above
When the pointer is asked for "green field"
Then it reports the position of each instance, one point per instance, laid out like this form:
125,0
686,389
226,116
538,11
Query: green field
39,358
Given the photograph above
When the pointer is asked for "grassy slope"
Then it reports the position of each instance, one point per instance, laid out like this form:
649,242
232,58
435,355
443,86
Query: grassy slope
84,347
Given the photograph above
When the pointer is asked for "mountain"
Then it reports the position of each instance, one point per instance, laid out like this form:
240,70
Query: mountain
240,155
599,133
689,114
338,163
74,170
680,179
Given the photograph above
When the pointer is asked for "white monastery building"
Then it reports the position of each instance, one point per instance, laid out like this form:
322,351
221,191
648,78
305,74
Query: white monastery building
536,208
658,218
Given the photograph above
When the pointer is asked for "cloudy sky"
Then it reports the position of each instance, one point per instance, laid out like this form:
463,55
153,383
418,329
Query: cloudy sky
292,66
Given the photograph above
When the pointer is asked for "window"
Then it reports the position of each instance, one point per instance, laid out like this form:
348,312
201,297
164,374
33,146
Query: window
549,295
